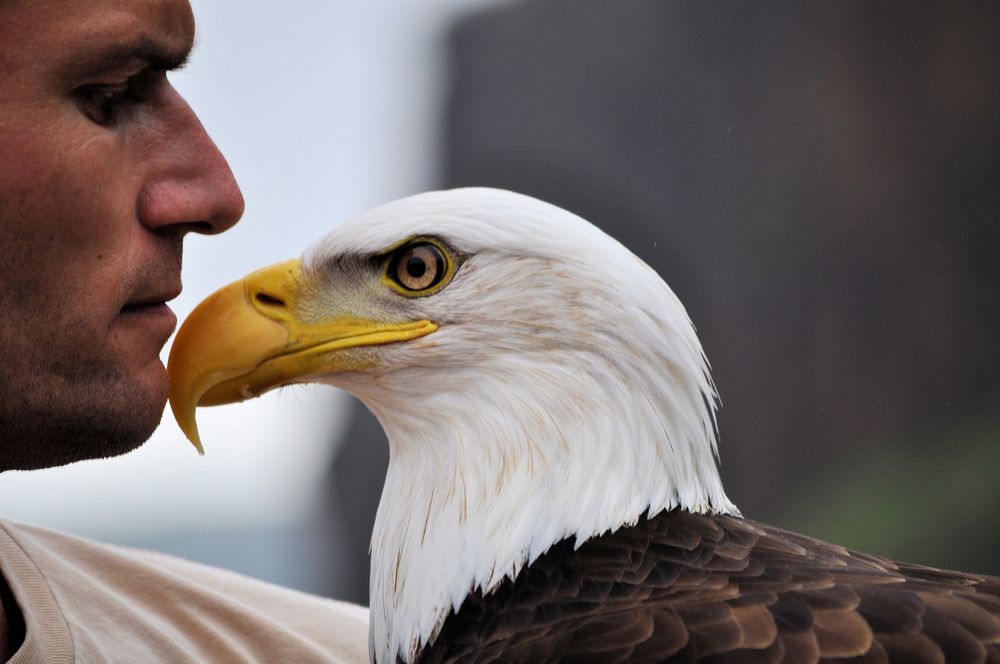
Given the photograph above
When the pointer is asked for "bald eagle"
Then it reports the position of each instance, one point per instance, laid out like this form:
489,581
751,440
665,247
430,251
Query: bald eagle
552,492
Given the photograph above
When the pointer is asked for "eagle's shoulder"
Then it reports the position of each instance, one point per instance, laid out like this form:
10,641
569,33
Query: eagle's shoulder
687,587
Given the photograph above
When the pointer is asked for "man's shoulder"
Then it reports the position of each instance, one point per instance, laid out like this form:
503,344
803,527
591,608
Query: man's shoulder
98,586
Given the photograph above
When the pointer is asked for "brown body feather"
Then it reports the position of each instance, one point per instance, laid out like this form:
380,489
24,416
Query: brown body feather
683,587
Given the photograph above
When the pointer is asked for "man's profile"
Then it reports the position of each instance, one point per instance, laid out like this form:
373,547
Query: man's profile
104,169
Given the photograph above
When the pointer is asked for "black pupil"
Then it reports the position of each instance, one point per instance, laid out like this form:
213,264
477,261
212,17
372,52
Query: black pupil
416,267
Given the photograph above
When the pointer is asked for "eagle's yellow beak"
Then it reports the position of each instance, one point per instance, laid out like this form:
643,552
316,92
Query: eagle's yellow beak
247,338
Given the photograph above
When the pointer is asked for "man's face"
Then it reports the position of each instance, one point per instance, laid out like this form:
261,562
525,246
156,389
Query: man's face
103,169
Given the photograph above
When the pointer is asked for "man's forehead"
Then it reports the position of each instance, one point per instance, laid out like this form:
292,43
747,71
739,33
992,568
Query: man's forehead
97,31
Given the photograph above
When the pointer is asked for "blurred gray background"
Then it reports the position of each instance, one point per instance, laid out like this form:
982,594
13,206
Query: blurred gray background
818,182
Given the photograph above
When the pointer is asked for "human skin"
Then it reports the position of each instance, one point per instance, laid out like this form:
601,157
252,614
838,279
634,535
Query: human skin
103,170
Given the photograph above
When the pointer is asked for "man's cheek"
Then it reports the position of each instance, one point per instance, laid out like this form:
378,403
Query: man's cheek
89,226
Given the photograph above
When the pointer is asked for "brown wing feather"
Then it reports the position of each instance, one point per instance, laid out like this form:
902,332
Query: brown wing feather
683,587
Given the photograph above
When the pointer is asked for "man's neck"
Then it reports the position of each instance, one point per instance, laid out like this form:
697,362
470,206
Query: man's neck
11,623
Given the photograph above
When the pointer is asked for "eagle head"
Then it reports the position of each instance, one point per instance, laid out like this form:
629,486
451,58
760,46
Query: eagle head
535,379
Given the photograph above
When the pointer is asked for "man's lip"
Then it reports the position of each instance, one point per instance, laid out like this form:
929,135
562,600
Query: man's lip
150,301
154,313
139,307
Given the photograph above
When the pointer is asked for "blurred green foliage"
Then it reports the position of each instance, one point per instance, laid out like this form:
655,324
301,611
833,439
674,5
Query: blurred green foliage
931,501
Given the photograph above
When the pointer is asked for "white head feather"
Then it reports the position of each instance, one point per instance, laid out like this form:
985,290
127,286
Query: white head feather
565,394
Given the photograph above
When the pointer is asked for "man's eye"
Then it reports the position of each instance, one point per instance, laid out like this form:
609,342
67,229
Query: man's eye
105,104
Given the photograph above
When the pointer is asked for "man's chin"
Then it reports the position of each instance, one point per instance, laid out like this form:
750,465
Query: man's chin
106,419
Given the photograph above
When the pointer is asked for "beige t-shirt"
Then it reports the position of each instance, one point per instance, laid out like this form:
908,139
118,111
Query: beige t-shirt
86,602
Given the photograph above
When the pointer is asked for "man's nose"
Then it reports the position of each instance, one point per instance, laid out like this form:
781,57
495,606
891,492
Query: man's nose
188,183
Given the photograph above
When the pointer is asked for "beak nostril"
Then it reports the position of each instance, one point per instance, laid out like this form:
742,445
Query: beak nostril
269,300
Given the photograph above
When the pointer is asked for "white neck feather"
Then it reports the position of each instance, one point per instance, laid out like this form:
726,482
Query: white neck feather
513,468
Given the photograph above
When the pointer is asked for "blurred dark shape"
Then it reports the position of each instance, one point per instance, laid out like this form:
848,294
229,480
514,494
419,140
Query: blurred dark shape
820,184
347,513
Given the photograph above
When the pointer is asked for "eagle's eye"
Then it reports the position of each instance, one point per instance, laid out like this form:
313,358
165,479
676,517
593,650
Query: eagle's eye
419,268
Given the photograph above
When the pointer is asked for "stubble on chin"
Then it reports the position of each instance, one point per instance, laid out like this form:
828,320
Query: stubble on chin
78,382
52,421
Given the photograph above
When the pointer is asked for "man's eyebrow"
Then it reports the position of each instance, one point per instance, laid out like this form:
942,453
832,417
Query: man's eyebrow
143,50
